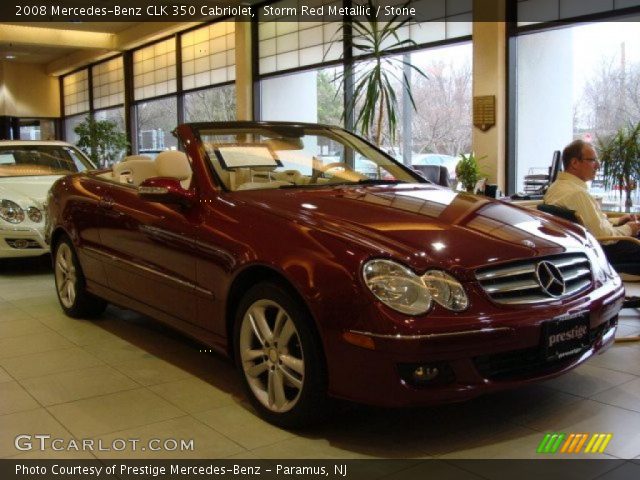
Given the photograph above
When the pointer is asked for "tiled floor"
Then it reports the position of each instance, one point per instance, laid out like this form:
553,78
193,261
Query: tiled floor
124,376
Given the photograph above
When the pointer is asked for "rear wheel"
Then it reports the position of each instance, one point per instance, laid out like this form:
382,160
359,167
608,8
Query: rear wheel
279,357
70,284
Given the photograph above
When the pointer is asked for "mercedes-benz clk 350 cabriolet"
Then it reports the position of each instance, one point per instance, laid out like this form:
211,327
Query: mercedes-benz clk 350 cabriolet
265,242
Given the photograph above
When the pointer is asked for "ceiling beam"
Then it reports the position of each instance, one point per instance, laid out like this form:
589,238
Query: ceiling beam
23,35
76,60
148,32
130,38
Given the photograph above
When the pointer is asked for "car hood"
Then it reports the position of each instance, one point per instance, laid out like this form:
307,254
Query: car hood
424,225
27,191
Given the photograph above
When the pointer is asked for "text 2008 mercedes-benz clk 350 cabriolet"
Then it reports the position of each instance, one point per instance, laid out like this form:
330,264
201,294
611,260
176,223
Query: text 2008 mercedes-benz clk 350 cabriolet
264,241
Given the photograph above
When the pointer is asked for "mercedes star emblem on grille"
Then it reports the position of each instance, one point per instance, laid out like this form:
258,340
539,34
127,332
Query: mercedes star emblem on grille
550,279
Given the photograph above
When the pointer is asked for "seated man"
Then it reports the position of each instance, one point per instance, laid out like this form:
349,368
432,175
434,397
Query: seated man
570,191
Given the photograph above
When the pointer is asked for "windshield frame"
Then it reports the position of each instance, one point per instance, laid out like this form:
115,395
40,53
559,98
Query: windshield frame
88,164
274,129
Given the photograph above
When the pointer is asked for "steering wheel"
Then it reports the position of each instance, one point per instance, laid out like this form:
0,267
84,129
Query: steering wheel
331,166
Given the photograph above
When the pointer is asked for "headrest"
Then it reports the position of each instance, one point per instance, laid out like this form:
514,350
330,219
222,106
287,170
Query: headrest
282,143
173,164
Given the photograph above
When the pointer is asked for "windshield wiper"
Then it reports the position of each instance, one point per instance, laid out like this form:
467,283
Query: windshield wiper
364,181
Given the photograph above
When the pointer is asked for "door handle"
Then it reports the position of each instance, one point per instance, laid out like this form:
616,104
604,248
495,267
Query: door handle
106,202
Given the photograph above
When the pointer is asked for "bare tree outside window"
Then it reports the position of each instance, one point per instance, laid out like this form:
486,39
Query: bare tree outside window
611,97
156,120
216,104
442,123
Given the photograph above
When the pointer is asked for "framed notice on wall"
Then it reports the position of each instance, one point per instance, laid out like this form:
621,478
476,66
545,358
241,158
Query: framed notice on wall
484,112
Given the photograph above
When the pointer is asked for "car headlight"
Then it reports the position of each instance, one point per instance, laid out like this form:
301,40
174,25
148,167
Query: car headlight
11,211
399,288
446,290
34,214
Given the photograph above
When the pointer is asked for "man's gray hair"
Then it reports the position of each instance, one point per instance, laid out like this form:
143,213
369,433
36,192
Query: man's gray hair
573,150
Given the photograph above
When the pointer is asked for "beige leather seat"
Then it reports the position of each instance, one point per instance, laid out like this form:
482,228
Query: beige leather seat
134,171
174,164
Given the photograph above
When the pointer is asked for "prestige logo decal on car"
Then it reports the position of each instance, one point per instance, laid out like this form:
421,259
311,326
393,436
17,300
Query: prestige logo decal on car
574,442
576,332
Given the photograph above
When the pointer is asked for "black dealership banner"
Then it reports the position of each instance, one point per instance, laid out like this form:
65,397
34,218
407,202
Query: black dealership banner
406,469
437,11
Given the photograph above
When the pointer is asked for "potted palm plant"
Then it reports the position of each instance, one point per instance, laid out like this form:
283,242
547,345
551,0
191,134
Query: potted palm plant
620,160
378,77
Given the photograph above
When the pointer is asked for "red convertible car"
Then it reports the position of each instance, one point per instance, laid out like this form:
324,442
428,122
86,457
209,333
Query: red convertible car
322,281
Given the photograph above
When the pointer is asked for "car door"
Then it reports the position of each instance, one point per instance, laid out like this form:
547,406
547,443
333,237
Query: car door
83,212
151,258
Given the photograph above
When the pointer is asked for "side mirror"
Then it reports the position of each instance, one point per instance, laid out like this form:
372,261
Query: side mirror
165,190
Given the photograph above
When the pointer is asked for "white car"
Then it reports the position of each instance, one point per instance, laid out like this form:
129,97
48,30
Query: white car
27,171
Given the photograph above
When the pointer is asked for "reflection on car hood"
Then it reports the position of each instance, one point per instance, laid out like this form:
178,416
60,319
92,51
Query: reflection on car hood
27,191
425,224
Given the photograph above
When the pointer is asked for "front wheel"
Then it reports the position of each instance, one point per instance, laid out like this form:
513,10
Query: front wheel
70,284
279,357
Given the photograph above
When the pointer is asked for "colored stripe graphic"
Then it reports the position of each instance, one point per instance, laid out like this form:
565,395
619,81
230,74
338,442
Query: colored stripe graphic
543,443
550,443
573,444
585,436
598,442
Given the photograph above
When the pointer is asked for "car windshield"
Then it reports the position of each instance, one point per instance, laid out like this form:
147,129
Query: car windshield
262,157
30,160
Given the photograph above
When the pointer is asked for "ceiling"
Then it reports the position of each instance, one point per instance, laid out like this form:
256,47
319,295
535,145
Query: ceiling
64,46
31,53
104,27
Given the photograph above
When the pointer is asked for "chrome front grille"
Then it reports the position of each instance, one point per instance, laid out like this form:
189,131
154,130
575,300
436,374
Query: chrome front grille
521,282
22,243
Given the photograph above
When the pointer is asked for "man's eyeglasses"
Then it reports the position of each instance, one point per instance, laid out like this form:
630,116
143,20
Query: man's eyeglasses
592,160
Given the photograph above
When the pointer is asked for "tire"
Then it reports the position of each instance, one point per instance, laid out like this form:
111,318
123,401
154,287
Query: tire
70,284
279,357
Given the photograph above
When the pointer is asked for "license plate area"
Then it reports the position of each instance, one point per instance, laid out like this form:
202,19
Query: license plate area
565,336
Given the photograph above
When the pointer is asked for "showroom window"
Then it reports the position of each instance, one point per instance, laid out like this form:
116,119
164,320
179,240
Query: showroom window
37,129
70,123
580,81
285,43
441,123
154,70
208,73
154,75
440,20
156,119
301,65
215,104
536,11
76,92
308,96
108,83
208,55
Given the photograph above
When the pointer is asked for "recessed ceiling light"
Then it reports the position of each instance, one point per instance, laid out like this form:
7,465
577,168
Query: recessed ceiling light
9,57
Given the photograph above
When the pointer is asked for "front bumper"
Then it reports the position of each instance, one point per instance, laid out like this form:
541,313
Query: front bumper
491,353
22,241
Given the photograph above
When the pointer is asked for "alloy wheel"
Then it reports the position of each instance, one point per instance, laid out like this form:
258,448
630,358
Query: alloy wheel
65,274
271,355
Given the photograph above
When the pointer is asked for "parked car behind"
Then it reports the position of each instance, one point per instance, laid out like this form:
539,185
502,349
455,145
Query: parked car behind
320,281
27,171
